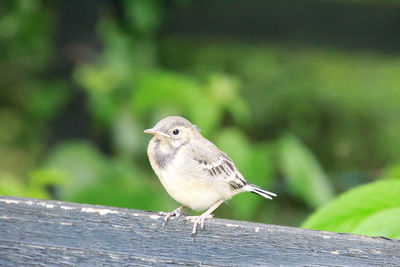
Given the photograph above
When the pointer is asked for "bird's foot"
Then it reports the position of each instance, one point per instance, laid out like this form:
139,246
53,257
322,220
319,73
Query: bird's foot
177,212
198,220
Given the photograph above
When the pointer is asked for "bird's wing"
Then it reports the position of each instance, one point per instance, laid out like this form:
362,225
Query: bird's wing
216,163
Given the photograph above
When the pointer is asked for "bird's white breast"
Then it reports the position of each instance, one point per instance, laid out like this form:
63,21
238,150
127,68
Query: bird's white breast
185,181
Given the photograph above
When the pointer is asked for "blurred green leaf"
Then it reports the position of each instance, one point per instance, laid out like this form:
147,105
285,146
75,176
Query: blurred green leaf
127,134
35,188
165,93
12,186
304,175
370,209
381,223
143,15
80,162
161,88
392,172
224,92
45,108
40,178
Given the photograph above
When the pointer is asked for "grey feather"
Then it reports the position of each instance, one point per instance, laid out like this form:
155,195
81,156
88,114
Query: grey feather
216,163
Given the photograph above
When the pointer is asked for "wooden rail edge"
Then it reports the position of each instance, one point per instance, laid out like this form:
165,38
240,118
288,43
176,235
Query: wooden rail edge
55,233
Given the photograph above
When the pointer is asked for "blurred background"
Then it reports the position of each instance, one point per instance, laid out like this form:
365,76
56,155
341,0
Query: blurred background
304,96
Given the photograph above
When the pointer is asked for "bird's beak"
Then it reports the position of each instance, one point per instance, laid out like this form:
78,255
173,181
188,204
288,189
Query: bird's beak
156,133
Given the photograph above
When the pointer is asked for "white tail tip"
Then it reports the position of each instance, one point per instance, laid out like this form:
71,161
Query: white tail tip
259,191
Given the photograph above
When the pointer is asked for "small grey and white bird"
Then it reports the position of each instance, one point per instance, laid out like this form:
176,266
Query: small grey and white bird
193,170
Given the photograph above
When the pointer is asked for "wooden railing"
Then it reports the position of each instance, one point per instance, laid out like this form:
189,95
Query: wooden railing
54,233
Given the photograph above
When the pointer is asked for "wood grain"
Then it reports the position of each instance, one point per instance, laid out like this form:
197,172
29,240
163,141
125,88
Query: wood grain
53,233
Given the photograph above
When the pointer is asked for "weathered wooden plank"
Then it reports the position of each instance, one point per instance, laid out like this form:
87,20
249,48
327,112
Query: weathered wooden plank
53,233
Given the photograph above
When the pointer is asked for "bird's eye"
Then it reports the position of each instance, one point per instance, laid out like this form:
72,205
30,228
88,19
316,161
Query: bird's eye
175,132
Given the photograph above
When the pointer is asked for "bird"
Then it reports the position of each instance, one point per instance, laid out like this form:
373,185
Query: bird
193,170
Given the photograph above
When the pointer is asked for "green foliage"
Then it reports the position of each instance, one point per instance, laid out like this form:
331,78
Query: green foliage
125,77
24,29
392,172
28,100
371,209
88,174
143,16
304,175
172,93
37,187
342,104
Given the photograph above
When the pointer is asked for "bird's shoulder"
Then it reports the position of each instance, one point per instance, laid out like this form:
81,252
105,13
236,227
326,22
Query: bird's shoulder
203,149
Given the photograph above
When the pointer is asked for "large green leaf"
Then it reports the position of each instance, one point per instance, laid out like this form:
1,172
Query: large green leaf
371,209
304,175
381,223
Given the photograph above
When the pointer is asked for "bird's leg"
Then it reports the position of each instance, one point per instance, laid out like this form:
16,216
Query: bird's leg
177,212
206,215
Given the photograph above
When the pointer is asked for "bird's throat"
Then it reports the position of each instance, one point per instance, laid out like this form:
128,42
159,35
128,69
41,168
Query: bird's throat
163,153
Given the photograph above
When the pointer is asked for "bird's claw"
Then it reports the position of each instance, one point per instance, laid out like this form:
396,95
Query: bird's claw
177,212
198,220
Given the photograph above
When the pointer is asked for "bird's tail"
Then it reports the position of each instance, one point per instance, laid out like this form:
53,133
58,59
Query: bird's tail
259,191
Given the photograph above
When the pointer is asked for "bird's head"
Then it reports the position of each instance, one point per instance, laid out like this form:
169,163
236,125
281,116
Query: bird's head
174,130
